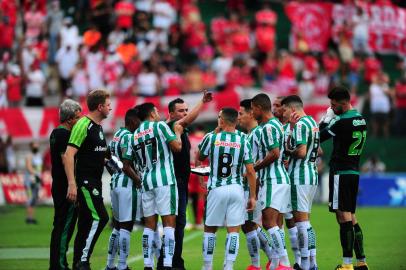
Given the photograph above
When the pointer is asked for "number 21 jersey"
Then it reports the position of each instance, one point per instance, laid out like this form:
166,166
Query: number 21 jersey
227,152
150,146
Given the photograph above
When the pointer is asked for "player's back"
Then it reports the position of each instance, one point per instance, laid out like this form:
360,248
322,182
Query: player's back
304,171
151,147
227,152
349,130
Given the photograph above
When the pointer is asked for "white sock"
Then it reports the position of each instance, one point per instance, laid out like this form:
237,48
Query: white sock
303,232
265,242
124,245
253,247
157,244
294,244
147,242
169,245
209,243
279,244
232,247
113,247
275,258
312,247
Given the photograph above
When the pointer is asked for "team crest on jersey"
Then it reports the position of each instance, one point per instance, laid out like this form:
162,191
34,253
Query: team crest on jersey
95,192
101,135
227,144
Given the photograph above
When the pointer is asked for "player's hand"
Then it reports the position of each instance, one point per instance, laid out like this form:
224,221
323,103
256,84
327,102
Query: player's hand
178,129
286,163
72,192
294,118
328,116
138,183
207,96
251,204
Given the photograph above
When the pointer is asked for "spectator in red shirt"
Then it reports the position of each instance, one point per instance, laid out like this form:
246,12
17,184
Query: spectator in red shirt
7,35
400,94
13,81
124,11
331,63
372,67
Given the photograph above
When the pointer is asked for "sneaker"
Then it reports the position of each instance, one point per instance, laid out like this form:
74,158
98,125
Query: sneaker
344,267
314,268
283,267
361,266
108,268
148,268
268,265
296,266
252,267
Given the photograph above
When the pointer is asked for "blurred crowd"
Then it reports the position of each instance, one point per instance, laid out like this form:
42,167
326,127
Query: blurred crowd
164,47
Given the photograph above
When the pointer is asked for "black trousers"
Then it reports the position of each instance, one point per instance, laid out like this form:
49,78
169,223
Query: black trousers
183,193
92,219
65,216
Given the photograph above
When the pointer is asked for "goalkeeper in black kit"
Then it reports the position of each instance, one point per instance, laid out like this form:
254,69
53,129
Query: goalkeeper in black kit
348,129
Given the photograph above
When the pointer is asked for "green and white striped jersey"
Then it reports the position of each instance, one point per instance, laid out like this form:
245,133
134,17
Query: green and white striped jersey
271,138
150,145
118,147
286,135
304,171
227,152
254,139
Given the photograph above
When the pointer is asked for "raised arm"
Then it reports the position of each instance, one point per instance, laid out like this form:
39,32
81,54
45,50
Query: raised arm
194,113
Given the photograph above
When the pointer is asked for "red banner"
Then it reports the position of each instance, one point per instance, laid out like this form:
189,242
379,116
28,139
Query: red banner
15,192
387,26
311,21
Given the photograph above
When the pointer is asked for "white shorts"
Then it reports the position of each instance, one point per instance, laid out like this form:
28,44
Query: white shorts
225,206
256,215
276,196
161,200
126,204
302,197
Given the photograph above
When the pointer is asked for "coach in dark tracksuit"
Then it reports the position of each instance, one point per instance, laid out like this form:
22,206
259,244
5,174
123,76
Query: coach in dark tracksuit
65,211
178,113
88,145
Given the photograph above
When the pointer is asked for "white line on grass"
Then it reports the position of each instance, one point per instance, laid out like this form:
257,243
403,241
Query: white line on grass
137,258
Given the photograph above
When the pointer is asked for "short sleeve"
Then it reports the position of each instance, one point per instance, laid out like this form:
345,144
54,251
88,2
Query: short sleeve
125,145
79,132
270,137
204,145
166,131
247,153
300,132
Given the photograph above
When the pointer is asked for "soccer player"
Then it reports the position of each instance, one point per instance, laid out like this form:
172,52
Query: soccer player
275,190
228,153
289,220
65,212
84,164
256,236
349,131
124,193
303,149
178,114
152,144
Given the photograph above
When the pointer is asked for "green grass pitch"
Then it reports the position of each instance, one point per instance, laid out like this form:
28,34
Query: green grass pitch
26,246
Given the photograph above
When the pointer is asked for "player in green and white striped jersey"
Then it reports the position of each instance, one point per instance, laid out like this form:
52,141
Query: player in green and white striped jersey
289,220
151,144
275,190
228,153
304,139
255,234
125,201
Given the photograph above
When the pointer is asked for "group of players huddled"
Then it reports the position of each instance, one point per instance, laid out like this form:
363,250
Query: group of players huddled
259,176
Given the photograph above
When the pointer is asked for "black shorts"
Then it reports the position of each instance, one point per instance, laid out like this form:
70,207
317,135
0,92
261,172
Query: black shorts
343,190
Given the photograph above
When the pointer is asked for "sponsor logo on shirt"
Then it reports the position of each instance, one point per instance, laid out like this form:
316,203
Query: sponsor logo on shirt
116,139
227,144
143,133
356,122
101,135
100,149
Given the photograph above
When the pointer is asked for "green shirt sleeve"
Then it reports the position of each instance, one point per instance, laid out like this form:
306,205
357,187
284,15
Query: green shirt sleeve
79,132
125,145
300,132
270,137
204,146
247,153
166,131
